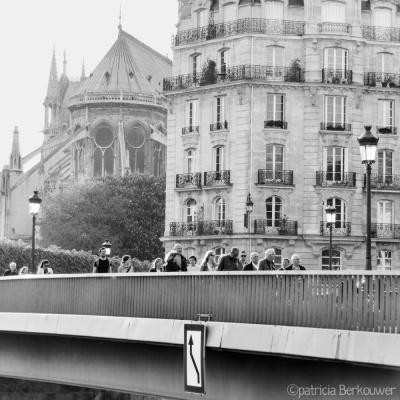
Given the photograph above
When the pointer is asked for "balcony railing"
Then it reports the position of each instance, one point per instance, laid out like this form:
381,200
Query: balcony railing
190,129
231,74
188,180
238,27
271,177
334,27
275,227
337,76
339,229
219,126
381,79
216,178
334,126
381,33
275,124
386,130
201,228
329,179
390,231
384,182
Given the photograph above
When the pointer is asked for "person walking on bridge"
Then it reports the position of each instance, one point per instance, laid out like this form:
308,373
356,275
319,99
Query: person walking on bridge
229,262
295,264
267,263
102,265
12,269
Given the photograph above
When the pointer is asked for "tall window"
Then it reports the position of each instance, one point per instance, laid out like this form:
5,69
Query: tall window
191,161
335,162
385,113
79,157
333,11
103,156
384,212
384,62
274,210
230,12
135,148
336,58
336,260
383,260
157,158
340,205
383,17
219,251
219,159
191,211
275,56
274,10
274,159
192,113
385,165
335,110
223,61
275,107
220,110
219,211
195,64
201,18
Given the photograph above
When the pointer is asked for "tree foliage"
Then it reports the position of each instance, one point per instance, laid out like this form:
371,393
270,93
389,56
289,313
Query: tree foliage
129,211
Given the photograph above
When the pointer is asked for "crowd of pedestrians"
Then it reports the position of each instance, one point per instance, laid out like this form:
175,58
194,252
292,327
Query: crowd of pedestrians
175,261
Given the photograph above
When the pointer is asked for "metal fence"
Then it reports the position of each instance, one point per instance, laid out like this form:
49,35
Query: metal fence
363,301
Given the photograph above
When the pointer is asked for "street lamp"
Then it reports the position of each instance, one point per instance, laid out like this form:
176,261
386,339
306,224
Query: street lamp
107,245
330,220
34,207
249,210
368,143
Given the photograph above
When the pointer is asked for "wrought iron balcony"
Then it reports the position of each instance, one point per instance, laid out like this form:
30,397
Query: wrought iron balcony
201,228
275,124
329,179
219,126
217,178
386,130
390,231
282,227
190,129
384,182
381,33
231,74
381,79
337,76
334,27
238,27
334,126
339,228
271,177
188,181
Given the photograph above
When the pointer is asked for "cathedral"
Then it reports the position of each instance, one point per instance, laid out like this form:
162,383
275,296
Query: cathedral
111,122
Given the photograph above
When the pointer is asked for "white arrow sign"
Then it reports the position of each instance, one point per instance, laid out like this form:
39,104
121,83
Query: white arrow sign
194,357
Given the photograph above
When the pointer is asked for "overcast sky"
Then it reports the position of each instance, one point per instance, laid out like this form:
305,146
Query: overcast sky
85,29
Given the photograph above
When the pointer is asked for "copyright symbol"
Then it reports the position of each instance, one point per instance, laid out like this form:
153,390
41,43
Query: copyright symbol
292,390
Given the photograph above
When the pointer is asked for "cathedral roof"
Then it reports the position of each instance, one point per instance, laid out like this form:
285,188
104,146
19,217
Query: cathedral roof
129,66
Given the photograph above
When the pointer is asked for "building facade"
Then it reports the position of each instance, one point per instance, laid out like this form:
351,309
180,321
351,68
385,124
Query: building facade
268,98
110,122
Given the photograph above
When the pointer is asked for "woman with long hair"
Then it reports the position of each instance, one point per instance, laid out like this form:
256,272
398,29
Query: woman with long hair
208,263
157,265
24,271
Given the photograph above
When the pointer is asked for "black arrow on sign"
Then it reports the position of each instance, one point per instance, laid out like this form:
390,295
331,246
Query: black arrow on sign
194,362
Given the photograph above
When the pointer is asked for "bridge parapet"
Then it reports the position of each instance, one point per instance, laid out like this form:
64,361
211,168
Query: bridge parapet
361,301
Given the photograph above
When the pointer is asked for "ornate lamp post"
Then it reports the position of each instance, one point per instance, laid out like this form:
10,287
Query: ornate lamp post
34,207
249,210
330,220
368,143
107,245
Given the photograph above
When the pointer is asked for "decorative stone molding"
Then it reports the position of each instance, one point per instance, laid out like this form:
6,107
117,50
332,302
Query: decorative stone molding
219,138
313,95
276,136
190,141
358,99
335,138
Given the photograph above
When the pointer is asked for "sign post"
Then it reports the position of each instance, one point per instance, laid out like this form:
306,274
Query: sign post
194,358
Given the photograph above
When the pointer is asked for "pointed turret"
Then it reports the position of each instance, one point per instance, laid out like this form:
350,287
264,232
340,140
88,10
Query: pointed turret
83,73
15,157
53,88
65,64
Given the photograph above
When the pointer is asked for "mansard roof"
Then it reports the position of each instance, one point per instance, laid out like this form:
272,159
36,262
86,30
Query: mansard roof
129,66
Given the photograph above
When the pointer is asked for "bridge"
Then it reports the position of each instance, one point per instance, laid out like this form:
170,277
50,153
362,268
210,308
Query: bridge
275,335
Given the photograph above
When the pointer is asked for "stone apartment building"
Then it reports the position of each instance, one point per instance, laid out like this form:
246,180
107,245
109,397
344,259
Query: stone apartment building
110,122
268,98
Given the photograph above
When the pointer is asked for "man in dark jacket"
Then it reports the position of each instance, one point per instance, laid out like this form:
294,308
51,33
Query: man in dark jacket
267,263
12,270
295,264
102,265
181,259
253,264
229,262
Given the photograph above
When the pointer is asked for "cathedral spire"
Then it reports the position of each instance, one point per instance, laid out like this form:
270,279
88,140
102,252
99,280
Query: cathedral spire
53,86
83,73
65,64
15,157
